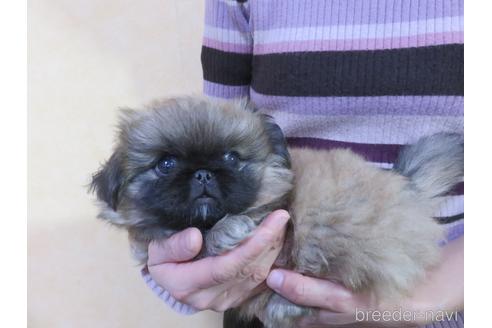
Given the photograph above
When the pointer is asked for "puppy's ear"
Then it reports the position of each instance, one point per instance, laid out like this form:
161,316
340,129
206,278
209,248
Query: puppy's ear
107,182
277,139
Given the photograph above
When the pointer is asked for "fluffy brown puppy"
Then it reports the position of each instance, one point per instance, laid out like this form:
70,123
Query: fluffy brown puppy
222,167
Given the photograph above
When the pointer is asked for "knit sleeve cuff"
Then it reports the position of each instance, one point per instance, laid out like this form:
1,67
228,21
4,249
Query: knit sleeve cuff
165,296
217,90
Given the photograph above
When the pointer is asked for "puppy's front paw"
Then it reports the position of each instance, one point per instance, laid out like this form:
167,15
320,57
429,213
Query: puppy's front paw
228,233
281,313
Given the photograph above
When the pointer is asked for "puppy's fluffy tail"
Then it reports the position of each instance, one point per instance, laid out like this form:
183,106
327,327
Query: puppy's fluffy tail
434,164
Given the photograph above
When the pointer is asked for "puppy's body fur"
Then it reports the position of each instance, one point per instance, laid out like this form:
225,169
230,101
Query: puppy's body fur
370,229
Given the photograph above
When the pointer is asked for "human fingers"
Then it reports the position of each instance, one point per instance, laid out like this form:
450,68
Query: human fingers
180,247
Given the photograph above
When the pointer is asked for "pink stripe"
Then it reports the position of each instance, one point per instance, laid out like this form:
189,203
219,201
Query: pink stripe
227,46
361,44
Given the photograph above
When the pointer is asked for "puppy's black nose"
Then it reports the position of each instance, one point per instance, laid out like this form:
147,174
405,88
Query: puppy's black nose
203,176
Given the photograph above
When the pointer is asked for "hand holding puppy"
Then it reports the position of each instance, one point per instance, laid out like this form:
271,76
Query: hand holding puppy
221,282
338,305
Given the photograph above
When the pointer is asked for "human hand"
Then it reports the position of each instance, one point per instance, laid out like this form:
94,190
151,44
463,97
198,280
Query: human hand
220,282
339,306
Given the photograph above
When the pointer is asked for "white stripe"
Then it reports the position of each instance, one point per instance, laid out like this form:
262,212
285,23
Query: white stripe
385,166
225,35
372,129
451,205
353,32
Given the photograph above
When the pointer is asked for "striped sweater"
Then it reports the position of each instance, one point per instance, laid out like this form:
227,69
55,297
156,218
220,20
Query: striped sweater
369,75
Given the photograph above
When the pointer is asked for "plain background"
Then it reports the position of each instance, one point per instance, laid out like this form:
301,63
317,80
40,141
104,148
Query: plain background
86,59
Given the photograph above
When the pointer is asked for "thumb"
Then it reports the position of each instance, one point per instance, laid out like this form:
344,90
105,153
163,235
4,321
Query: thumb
307,291
180,247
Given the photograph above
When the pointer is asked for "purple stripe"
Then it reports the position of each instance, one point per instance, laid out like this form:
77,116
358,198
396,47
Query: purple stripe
222,91
219,14
294,13
380,153
227,46
457,190
386,105
361,44
456,231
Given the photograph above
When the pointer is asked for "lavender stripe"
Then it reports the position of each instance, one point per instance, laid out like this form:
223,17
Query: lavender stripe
227,46
456,231
373,129
222,91
386,105
450,205
293,13
225,35
361,44
360,32
225,15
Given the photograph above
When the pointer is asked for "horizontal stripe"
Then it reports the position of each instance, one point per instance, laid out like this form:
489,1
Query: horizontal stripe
226,68
420,40
227,46
451,204
382,153
450,219
436,70
225,35
389,105
373,129
225,92
294,13
356,32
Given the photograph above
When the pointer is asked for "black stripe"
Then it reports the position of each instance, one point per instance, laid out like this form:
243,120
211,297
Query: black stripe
226,67
433,70
449,219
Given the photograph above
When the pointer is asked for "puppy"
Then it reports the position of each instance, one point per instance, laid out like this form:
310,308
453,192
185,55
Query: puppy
222,167
191,162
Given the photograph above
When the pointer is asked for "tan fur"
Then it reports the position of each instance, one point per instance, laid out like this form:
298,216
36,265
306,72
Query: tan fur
356,224
364,225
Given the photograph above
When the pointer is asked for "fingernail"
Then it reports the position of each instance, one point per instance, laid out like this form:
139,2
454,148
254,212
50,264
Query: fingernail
275,279
282,218
191,241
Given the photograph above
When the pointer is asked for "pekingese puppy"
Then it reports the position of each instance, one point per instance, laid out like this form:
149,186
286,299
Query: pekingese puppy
223,166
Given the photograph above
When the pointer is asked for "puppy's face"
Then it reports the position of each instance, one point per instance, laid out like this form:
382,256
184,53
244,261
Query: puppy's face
188,162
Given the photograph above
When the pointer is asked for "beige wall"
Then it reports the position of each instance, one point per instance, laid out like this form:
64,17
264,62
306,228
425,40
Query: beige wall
86,58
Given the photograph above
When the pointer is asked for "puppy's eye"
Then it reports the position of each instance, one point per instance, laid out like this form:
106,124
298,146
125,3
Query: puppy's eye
165,165
231,157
